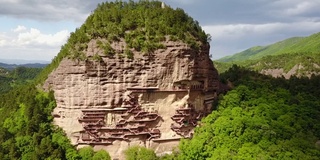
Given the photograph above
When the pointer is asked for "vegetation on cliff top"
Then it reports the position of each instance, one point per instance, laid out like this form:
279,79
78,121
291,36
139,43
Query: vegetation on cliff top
143,25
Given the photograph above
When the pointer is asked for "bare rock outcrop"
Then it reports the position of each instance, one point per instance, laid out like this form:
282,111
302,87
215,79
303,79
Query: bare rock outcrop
150,100
294,71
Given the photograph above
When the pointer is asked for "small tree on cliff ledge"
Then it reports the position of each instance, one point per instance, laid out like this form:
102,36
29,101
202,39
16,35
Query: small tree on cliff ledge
141,153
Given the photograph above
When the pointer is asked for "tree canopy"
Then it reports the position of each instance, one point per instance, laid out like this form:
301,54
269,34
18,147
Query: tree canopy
261,118
18,76
141,153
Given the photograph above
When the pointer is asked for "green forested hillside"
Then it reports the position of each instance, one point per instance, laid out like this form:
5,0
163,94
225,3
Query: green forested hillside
284,55
261,118
15,77
3,71
310,44
27,132
310,62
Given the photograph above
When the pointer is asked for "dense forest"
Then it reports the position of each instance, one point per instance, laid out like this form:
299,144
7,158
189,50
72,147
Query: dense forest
27,132
260,118
16,77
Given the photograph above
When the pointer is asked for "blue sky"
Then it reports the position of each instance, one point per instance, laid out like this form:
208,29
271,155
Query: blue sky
35,30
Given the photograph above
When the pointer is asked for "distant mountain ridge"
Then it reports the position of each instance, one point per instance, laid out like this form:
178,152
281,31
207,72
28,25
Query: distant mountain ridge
22,61
309,44
297,56
28,65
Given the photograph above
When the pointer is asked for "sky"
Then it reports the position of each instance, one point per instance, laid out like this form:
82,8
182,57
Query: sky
36,29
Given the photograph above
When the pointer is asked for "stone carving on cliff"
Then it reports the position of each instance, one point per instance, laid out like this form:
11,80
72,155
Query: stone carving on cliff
118,102
103,126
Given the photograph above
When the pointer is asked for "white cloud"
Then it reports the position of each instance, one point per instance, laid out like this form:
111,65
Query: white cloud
10,1
2,42
299,8
3,39
57,10
238,31
35,37
295,8
31,43
19,29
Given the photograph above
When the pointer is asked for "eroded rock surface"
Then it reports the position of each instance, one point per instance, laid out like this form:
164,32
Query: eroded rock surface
294,71
150,100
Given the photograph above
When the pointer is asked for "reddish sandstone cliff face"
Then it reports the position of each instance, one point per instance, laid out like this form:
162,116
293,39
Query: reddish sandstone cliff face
148,100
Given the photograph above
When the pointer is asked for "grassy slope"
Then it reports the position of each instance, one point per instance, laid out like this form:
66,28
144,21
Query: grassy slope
284,54
291,45
285,61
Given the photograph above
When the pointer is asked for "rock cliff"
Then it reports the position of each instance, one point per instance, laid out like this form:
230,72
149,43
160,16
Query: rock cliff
174,78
